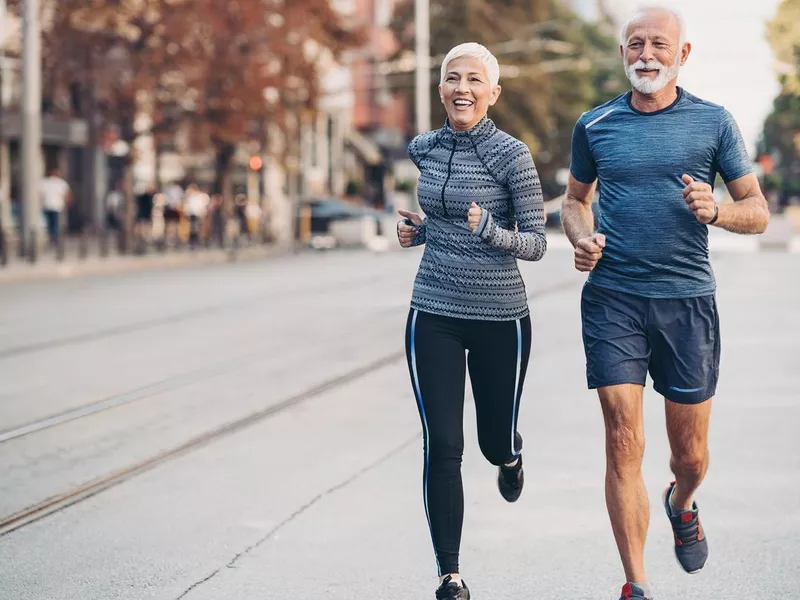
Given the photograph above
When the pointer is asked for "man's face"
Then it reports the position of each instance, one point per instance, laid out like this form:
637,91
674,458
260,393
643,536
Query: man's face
652,54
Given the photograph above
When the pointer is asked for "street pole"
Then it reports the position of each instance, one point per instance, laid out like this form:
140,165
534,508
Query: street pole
422,26
31,123
5,155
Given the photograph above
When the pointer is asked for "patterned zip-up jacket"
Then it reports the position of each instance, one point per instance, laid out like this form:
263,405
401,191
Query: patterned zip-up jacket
474,275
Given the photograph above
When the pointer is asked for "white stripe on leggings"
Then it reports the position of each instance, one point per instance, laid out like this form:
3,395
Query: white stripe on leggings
516,391
418,393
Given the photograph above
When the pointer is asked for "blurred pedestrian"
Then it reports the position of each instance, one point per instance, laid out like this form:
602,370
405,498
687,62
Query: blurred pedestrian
482,199
144,216
195,207
172,212
240,207
115,201
649,300
55,196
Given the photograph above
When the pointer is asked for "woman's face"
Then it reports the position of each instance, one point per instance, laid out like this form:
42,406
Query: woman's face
467,93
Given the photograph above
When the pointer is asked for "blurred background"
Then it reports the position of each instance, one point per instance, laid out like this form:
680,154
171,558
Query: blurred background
203,385
201,123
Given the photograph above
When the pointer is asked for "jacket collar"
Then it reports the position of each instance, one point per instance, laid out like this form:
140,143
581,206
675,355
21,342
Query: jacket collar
482,130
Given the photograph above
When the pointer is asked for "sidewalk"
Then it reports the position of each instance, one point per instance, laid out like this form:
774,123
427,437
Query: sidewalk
48,267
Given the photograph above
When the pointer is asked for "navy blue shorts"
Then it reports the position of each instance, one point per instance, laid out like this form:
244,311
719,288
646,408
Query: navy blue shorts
675,339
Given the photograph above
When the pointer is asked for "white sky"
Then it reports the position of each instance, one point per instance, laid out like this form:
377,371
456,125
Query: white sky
731,62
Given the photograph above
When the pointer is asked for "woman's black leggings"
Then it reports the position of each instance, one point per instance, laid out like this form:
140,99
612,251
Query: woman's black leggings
439,350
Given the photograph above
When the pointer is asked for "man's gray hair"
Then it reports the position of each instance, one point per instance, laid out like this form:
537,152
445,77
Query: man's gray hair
477,51
623,34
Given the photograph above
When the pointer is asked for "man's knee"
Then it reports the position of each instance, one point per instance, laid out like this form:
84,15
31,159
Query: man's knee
625,446
690,462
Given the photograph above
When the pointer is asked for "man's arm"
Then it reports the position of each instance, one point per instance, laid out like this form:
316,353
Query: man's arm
578,222
748,214
750,211
576,210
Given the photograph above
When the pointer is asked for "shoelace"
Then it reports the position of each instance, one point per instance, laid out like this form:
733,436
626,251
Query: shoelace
688,533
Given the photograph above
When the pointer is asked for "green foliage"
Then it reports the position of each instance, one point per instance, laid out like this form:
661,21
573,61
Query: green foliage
781,137
554,66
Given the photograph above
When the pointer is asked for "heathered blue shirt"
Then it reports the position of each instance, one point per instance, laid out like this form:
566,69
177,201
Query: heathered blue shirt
654,245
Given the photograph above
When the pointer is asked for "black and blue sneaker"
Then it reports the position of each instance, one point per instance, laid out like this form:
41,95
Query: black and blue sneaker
633,592
691,546
450,590
510,481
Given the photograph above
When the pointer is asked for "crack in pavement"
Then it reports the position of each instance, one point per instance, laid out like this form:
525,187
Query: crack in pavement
297,513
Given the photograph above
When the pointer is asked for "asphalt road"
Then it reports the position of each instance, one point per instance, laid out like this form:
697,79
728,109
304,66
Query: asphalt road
319,496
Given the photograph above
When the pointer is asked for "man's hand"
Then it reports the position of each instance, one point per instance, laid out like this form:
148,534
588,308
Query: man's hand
474,216
407,233
700,198
588,251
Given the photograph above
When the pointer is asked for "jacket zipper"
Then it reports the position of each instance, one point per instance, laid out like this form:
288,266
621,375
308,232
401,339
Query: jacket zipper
447,179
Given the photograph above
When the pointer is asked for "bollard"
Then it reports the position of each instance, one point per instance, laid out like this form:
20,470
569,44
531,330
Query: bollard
60,246
305,224
104,242
32,253
83,248
3,247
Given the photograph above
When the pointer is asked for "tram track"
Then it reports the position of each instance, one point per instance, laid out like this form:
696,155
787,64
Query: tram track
79,493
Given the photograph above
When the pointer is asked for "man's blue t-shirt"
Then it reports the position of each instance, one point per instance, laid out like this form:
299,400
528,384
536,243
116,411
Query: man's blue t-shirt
654,245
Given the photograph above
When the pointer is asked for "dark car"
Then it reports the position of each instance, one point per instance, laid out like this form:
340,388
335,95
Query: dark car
325,211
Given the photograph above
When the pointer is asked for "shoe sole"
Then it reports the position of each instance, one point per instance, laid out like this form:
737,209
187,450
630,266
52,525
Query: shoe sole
675,554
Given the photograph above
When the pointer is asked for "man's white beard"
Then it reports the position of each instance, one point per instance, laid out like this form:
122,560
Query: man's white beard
650,86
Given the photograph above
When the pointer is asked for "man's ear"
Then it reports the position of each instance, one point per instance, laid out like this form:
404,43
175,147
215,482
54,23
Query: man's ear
685,51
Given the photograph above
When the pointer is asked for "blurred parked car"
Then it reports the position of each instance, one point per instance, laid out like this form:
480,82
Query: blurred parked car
326,210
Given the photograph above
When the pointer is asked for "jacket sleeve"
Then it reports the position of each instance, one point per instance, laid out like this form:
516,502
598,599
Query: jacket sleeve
529,241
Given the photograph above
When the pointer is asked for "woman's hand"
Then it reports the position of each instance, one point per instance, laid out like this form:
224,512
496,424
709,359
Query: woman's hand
407,233
474,216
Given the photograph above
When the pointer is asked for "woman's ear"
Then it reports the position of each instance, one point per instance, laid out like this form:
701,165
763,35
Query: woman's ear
495,95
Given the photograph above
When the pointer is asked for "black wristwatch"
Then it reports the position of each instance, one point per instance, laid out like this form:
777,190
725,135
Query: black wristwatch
716,215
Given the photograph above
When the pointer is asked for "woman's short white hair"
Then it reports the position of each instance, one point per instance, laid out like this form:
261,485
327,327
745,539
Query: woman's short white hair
477,51
623,34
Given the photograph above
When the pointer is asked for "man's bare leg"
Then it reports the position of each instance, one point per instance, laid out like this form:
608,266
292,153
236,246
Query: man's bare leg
626,496
687,428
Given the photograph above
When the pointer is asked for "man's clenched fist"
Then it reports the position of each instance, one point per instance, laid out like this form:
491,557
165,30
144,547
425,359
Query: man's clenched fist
588,251
700,198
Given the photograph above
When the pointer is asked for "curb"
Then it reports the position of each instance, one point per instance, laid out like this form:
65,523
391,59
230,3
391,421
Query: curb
127,264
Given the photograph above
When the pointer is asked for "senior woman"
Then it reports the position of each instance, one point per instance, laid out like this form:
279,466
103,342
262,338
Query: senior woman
482,200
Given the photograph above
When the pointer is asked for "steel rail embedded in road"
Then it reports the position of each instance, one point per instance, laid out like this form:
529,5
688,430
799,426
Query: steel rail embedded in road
91,488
